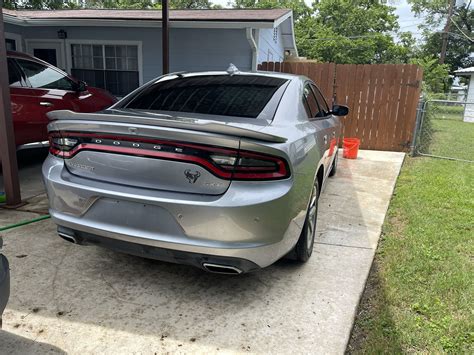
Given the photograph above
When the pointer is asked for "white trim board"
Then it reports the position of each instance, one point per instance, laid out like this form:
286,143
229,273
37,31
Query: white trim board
29,42
137,23
17,38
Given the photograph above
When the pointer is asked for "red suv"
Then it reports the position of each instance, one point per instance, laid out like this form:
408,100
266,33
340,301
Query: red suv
37,87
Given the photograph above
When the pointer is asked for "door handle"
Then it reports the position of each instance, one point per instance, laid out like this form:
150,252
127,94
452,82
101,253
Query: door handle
325,139
46,104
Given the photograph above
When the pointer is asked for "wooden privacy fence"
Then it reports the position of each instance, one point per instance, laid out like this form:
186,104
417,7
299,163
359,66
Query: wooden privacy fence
382,98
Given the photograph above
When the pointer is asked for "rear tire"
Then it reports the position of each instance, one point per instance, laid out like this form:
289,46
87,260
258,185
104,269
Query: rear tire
304,247
334,166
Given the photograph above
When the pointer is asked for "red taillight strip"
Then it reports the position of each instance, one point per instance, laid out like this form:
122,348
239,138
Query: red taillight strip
144,153
281,173
236,172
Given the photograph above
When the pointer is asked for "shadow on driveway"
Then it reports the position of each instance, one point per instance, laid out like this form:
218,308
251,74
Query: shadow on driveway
14,344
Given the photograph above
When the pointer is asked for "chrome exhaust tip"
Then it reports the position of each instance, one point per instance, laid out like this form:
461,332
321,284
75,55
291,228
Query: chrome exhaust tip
222,269
69,238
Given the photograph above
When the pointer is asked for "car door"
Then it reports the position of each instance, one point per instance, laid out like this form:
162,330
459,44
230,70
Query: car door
47,89
333,121
21,109
322,125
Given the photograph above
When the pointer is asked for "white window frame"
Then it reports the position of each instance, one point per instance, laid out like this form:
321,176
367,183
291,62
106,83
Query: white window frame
70,42
17,38
33,42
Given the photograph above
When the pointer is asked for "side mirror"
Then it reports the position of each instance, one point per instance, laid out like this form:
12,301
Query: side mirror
79,86
340,110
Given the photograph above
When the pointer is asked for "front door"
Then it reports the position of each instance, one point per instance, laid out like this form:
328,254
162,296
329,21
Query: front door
51,52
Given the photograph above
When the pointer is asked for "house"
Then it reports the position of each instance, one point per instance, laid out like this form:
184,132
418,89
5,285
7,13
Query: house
469,110
457,93
120,50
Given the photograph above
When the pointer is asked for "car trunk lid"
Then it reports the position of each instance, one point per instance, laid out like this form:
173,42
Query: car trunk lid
164,152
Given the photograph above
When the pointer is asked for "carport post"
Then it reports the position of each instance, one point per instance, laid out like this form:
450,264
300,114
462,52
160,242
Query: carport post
165,47
7,137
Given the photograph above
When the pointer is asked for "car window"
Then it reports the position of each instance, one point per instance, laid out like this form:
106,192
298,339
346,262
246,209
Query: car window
41,76
223,95
306,107
324,108
311,102
14,75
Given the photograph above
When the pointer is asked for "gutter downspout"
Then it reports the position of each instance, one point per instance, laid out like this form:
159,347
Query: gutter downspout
253,46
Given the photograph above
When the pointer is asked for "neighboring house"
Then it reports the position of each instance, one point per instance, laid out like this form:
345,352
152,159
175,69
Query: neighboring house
457,93
469,110
121,49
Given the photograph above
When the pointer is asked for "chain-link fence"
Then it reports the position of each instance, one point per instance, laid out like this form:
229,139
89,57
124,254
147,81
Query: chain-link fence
445,129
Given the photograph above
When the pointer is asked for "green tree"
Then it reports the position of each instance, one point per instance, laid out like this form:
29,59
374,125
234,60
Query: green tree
106,4
435,75
39,4
358,31
118,4
460,47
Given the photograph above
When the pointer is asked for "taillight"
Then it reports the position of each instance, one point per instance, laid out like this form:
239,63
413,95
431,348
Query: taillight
226,163
64,144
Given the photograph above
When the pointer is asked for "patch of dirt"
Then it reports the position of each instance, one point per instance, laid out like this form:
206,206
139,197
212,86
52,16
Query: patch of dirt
368,304
395,225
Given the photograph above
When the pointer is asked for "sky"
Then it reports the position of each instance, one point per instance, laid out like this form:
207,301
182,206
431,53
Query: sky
407,20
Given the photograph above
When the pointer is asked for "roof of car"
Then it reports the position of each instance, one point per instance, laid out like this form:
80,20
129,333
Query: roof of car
19,55
465,71
285,76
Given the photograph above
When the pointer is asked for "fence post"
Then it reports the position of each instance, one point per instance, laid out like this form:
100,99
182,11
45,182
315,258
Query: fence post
416,131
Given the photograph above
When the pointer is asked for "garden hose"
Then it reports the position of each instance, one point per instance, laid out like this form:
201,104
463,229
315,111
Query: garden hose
19,224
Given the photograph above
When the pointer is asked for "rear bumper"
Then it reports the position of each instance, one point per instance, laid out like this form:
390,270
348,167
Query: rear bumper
133,246
253,223
4,283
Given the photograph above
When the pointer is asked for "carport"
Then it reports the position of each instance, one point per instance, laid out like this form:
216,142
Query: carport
8,158
7,138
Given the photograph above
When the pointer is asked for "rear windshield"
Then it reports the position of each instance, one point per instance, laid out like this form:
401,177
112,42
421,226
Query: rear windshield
225,95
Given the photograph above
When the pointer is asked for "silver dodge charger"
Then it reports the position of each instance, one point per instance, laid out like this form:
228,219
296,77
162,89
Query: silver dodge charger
220,170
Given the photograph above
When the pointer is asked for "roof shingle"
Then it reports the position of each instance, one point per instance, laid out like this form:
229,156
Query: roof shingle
232,15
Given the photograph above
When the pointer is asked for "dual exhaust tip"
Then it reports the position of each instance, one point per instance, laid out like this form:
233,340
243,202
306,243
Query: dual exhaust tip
221,269
68,237
210,267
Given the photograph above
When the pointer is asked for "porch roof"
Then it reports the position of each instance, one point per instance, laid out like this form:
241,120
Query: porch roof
265,17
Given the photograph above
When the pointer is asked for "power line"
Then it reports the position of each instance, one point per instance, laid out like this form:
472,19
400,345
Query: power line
342,37
415,24
376,34
465,35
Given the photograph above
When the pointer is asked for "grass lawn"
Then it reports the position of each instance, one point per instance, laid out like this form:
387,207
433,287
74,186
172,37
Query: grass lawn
451,137
420,292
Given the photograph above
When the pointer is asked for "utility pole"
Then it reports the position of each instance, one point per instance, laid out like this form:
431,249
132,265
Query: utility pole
444,44
165,46
7,137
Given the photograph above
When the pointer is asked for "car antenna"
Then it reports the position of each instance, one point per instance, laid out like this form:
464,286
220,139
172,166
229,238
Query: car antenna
232,69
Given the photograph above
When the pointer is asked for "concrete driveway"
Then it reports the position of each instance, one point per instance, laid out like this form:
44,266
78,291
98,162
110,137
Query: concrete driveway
68,298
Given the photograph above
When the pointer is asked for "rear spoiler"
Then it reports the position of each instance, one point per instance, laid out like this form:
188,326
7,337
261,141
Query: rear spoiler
181,123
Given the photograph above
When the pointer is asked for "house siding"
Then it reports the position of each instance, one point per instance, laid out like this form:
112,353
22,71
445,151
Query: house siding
270,48
190,49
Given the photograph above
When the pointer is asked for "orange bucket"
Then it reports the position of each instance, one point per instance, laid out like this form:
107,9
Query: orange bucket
350,148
